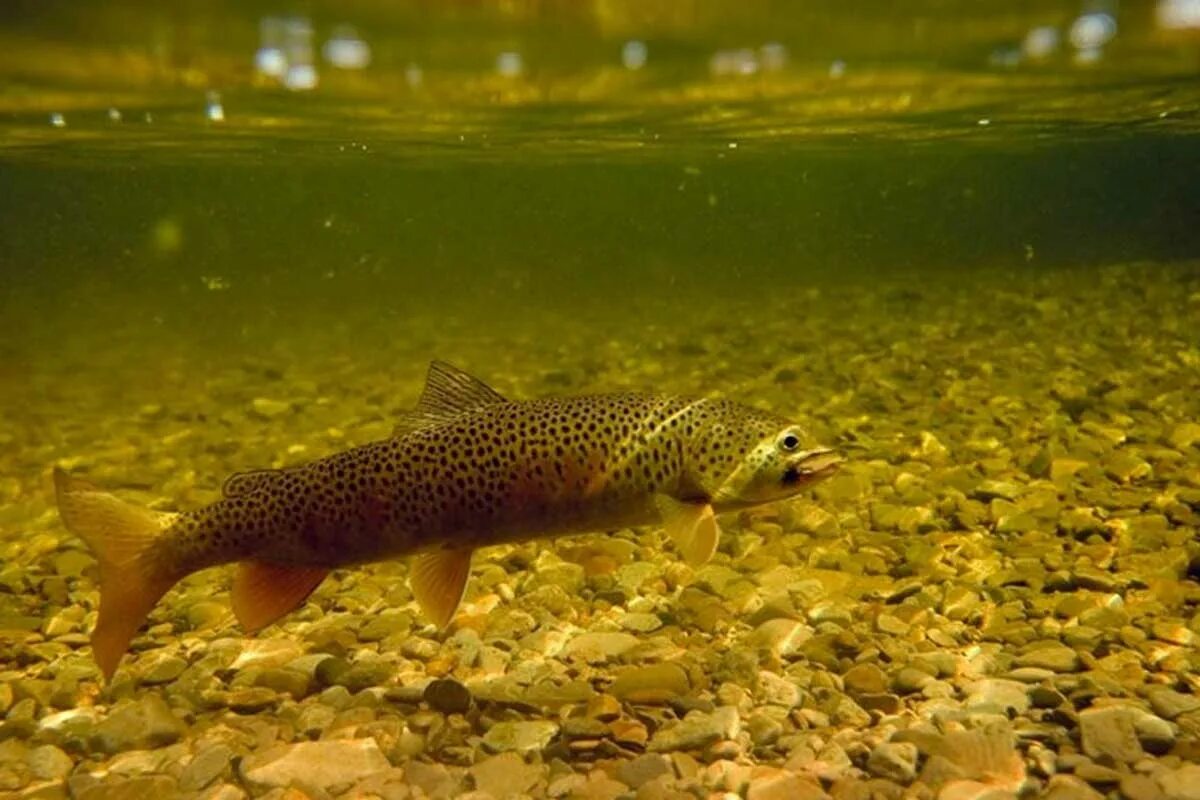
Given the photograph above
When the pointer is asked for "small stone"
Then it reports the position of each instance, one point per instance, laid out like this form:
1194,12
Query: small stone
447,696
998,694
641,622
161,669
365,675
72,563
1184,435
333,762
268,408
911,679
782,785
1068,787
1140,787
142,724
1169,704
1054,657
1108,733
603,707
507,775
651,684
896,761
48,763
599,647
520,737
1097,775
1182,783
865,679
697,731
284,680
207,766
643,769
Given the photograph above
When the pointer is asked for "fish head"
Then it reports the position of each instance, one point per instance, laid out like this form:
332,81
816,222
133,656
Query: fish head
745,457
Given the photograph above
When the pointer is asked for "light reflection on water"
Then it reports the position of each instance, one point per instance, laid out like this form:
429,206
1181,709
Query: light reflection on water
559,82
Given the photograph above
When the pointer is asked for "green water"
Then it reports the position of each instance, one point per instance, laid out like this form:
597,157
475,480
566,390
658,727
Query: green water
964,254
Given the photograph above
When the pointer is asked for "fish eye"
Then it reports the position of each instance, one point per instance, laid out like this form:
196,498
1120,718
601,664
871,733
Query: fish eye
788,441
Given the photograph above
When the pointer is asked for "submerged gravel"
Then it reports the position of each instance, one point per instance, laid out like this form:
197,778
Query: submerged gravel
996,597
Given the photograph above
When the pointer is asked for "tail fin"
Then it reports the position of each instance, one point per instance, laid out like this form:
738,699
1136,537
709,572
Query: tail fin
133,576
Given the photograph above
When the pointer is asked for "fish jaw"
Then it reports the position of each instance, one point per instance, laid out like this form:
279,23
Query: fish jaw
812,466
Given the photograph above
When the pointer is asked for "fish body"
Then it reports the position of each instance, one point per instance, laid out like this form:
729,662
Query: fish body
466,469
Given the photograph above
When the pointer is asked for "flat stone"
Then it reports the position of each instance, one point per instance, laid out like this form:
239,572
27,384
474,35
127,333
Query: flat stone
1108,732
520,737
697,731
1068,787
324,764
599,647
777,784
1169,704
206,767
865,679
1054,657
135,788
1140,787
48,763
1182,783
643,769
507,775
140,724
651,684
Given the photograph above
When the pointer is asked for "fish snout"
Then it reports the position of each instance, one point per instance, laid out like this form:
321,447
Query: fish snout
816,463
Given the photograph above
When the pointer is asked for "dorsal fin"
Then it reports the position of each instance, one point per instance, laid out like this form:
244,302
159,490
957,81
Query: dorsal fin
449,392
240,483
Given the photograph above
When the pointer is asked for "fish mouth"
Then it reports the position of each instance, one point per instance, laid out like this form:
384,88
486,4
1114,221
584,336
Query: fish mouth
812,466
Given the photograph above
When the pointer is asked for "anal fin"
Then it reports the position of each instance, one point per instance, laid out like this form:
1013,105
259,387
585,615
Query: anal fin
692,526
439,581
263,592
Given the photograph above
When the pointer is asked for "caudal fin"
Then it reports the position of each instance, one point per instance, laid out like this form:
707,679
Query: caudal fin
133,575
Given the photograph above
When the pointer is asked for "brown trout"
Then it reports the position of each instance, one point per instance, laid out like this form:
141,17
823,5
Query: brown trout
466,469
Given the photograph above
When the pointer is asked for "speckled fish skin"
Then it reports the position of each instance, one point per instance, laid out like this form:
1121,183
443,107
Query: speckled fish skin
467,468
509,471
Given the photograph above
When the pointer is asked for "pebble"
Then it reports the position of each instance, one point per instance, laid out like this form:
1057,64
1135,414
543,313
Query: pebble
598,648
1053,657
520,737
322,765
1108,732
507,775
48,763
651,684
697,731
141,724
447,696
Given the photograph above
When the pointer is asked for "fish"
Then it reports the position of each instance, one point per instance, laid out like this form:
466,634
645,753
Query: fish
465,469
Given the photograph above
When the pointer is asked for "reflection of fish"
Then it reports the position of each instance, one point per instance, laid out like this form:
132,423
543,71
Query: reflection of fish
467,468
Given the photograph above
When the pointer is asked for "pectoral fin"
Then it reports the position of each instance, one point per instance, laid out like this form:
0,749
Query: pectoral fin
262,593
439,581
692,526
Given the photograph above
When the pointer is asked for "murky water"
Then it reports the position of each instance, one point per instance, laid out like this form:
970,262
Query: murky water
958,241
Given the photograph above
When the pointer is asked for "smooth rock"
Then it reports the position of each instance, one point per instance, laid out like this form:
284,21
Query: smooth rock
447,696
697,731
506,775
651,684
520,737
324,764
1182,783
140,724
1108,732
206,766
48,763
